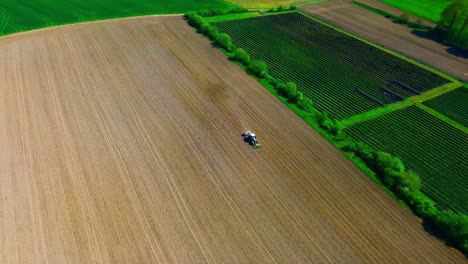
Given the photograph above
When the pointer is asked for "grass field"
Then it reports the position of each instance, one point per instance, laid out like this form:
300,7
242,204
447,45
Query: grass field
433,149
428,9
22,15
327,65
453,105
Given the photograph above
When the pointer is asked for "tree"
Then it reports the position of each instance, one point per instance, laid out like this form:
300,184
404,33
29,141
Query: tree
306,105
299,97
291,90
242,56
224,40
404,18
212,32
453,24
259,68
195,20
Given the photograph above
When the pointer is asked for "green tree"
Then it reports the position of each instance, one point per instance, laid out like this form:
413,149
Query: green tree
299,97
453,24
224,41
242,56
259,68
291,90
404,18
306,105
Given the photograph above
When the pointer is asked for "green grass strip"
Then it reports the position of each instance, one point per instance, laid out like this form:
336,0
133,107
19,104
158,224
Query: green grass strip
396,54
436,92
381,111
443,117
375,113
311,2
235,16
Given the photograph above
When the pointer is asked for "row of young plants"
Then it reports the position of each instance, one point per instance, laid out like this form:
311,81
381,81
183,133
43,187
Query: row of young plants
390,171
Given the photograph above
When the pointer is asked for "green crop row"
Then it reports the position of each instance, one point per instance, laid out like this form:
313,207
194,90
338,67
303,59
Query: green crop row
328,66
453,105
433,149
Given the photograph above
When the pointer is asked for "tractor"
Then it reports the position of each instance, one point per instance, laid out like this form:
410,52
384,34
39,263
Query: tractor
251,138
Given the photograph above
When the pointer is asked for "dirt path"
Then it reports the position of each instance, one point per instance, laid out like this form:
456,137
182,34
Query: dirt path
381,30
120,143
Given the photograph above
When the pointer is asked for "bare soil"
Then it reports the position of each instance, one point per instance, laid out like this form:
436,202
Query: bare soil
120,143
397,37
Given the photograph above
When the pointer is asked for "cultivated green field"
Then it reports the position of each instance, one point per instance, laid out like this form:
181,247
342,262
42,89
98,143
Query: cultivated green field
433,149
428,9
453,105
341,74
22,15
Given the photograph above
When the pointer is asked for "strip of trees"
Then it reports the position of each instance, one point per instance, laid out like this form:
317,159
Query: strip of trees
453,24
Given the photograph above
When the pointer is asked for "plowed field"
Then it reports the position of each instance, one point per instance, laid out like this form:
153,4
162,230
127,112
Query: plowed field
120,143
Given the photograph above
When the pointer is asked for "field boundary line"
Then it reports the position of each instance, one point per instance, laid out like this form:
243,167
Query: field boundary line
394,53
435,92
26,32
442,117
311,2
375,113
387,109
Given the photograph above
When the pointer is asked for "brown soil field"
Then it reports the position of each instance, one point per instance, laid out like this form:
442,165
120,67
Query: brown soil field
120,143
383,31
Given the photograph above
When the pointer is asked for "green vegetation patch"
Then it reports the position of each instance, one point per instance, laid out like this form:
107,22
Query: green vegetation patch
22,15
453,105
231,16
266,4
341,74
428,9
433,149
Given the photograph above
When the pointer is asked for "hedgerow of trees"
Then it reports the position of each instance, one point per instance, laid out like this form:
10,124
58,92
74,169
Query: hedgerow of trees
390,170
453,24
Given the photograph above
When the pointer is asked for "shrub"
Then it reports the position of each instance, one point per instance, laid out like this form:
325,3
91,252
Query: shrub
421,205
215,12
403,18
242,56
384,160
224,41
299,97
293,7
282,8
204,28
291,90
454,226
195,20
306,105
408,182
212,32
259,68
273,81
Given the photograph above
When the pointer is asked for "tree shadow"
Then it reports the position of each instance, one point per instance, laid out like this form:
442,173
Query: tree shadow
458,52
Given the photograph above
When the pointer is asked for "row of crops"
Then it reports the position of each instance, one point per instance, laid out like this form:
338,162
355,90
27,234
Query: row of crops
453,105
328,66
433,149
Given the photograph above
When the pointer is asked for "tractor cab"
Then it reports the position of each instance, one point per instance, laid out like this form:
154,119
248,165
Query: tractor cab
251,138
